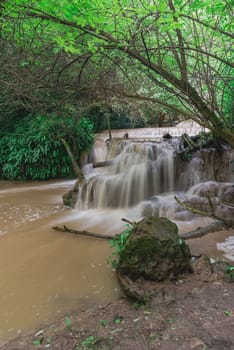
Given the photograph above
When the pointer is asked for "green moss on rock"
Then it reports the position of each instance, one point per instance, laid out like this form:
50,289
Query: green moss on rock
154,251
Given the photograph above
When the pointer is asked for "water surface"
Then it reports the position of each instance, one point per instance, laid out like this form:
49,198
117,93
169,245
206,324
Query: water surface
45,273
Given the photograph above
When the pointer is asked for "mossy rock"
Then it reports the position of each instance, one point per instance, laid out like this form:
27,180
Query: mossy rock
70,197
154,251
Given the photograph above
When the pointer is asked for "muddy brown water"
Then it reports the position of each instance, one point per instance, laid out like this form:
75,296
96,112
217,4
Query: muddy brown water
45,273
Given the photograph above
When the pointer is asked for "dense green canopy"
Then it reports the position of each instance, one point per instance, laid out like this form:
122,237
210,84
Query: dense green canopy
175,53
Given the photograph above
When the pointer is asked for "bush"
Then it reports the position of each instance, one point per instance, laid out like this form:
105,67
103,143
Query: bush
34,149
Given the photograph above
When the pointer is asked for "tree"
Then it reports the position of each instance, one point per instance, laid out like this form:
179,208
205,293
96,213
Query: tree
181,48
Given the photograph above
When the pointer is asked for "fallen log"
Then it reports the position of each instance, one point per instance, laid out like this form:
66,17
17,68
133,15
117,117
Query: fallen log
203,231
210,214
193,210
83,232
102,164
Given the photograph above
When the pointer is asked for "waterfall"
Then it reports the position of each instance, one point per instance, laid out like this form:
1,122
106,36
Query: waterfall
139,171
142,169
143,175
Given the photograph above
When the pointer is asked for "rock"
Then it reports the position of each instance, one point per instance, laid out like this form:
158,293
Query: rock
226,193
70,197
167,136
154,251
221,196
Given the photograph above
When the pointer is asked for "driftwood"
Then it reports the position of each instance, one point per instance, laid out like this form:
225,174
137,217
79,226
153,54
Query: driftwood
203,231
102,164
210,214
83,233
92,234
193,210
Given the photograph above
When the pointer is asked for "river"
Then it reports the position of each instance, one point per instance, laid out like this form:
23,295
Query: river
45,273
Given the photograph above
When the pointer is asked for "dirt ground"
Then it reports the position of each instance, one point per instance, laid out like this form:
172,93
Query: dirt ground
195,312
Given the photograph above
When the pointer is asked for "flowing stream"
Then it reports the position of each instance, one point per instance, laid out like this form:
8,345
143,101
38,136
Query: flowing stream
45,273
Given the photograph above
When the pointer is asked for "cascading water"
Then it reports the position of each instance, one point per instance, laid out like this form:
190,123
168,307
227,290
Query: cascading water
189,127
138,171
143,178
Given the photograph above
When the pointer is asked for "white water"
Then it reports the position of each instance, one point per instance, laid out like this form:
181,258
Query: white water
138,171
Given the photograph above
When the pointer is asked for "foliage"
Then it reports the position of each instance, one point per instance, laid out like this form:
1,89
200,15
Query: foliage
173,53
118,243
87,344
41,339
228,95
103,323
230,272
68,322
120,117
186,156
33,150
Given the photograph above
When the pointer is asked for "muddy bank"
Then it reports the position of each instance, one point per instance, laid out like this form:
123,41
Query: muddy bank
195,312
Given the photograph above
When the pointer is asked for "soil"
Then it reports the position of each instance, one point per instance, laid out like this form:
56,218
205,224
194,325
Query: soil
195,312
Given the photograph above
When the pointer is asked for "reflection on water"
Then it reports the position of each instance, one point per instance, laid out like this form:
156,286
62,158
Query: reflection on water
44,273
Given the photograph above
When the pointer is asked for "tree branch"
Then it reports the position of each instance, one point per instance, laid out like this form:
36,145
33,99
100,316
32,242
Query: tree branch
208,25
83,232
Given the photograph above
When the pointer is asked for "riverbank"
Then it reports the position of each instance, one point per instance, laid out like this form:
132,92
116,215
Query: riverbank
195,312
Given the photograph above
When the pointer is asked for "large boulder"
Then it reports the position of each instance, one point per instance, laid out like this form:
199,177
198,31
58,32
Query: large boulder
154,251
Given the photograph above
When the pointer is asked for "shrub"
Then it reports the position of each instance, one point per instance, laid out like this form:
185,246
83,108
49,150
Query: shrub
34,149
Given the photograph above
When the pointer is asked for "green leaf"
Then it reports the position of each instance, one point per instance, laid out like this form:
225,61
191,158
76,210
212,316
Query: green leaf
227,313
36,342
68,322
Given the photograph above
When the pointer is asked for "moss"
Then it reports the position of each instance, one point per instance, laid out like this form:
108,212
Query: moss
154,251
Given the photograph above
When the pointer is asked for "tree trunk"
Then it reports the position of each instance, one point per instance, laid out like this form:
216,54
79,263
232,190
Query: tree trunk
102,164
108,124
75,165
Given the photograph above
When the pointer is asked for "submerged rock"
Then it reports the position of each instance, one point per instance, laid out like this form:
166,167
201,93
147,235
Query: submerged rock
154,251
70,197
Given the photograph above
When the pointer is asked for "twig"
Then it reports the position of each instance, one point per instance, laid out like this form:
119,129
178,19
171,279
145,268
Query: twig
132,222
128,221
226,205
